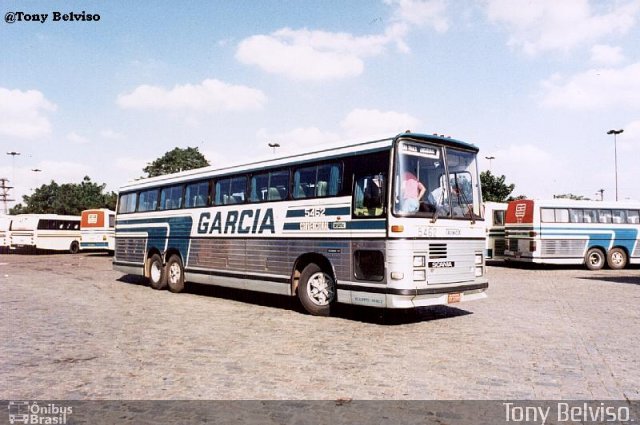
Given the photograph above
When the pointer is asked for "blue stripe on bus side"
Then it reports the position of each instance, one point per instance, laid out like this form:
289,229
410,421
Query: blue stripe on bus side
621,237
179,232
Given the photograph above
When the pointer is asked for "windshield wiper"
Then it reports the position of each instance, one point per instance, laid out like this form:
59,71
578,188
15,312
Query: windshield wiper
464,199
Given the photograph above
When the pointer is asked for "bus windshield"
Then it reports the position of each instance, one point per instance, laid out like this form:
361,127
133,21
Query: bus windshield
424,187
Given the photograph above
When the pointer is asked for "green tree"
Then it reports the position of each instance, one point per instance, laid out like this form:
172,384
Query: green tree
176,160
68,198
494,188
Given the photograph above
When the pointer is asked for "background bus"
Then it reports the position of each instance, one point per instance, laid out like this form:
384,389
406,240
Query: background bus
97,229
46,231
494,213
563,231
5,233
390,223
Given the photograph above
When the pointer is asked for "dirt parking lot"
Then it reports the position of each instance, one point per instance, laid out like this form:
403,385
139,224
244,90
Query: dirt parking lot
72,328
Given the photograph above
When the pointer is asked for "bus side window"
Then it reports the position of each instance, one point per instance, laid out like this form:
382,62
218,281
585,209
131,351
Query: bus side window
576,216
590,216
633,217
619,216
604,216
562,215
547,215
368,196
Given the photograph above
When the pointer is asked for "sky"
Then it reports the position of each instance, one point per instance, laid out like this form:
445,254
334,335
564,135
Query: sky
536,84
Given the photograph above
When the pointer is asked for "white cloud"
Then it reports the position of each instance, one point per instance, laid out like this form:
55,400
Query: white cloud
421,13
365,123
603,54
23,114
208,96
308,55
548,25
76,138
595,88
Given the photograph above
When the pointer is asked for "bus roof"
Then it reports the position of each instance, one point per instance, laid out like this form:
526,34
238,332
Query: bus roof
331,151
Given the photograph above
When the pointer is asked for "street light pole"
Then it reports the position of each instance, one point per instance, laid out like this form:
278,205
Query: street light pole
615,154
490,158
274,146
13,164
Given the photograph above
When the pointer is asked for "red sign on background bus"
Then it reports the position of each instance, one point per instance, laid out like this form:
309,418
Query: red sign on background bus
520,211
92,218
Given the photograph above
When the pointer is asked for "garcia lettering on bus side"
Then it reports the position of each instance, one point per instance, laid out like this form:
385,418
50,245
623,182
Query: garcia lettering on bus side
247,221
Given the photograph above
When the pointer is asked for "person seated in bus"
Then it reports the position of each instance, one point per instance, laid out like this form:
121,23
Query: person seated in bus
436,201
412,193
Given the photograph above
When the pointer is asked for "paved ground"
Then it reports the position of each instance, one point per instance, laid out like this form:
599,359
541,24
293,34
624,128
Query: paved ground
72,328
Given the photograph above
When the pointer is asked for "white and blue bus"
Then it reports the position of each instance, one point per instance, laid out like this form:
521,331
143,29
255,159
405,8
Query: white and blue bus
389,223
564,231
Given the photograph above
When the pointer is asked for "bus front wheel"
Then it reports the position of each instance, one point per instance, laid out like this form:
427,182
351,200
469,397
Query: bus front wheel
617,258
595,259
74,248
175,274
157,275
316,290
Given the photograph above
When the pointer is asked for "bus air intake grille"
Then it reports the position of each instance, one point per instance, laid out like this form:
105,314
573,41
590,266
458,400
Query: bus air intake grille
438,250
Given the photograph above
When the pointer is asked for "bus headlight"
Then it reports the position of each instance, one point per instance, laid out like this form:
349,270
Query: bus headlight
418,261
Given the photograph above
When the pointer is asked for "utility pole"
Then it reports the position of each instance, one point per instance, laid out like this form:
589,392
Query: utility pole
4,194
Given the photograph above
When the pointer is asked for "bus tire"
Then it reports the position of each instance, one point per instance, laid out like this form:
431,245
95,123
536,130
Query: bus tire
595,259
157,274
617,258
316,290
74,248
175,274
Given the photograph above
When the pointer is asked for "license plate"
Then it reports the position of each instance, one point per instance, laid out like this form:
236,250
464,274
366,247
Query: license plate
453,298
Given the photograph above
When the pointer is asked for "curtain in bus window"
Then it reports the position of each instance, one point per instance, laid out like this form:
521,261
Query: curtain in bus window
298,190
148,200
334,180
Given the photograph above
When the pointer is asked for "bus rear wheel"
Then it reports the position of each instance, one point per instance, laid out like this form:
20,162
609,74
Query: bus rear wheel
175,274
74,248
617,258
157,275
594,259
316,290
